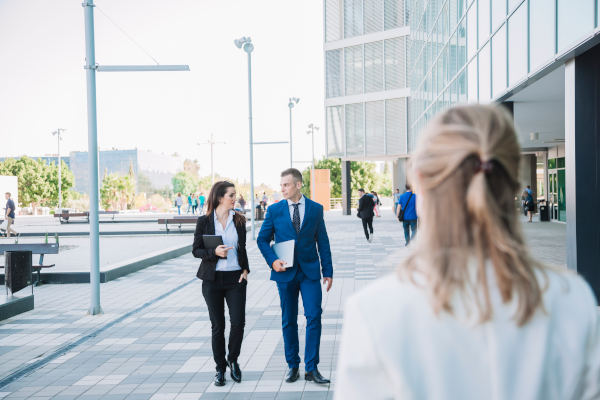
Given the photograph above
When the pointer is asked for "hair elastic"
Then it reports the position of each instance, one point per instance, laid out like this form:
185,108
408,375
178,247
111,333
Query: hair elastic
483,166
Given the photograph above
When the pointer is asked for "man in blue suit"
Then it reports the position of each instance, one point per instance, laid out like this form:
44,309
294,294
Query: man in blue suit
300,219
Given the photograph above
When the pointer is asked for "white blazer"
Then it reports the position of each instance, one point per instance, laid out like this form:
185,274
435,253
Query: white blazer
394,347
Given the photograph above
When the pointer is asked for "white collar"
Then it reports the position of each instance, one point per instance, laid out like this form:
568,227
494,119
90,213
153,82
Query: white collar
301,201
229,218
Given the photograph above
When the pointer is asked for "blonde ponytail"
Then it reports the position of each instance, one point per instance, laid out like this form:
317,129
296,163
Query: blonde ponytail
469,157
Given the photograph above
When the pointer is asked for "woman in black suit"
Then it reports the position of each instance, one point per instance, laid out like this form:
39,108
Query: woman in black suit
224,273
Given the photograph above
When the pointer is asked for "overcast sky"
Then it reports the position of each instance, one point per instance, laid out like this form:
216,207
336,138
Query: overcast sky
42,81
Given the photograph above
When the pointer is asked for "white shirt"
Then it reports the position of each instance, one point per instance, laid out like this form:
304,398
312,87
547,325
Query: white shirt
301,209
230,239
394,347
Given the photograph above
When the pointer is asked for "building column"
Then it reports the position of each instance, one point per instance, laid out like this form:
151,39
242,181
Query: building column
346,188
582,159
399,174
528,173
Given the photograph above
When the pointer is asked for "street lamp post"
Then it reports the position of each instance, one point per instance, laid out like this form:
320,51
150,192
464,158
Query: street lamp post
59,138
245,43
293,101
311,132
212,143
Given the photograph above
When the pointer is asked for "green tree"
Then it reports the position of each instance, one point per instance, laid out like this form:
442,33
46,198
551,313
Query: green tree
117,192
32,175
67,181
184,183
362,175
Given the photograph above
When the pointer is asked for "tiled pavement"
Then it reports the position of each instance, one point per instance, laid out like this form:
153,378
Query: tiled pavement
153,342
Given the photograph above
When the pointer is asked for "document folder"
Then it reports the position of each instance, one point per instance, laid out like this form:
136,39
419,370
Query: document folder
285,252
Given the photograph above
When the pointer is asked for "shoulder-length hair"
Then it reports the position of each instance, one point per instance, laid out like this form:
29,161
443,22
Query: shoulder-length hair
465,169
217,192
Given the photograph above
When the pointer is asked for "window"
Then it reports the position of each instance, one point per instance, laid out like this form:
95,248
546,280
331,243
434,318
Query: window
472,81
472,31
517,45
335,131
394,14
355,129
575,21
484,21
541,32
353,18
499,66
373,10
333,20
373,67
395,125
484,74
375,128
333,61
498,12
395,76
353,70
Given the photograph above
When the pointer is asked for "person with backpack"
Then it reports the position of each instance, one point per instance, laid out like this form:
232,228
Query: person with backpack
366,204
407,213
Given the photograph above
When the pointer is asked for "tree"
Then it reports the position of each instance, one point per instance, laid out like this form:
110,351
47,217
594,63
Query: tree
117,192
362,175
192,167
32,175
184,183
67,180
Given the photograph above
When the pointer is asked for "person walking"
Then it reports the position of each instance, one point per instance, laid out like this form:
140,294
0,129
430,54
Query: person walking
224,273
377,203
470,314
396,197
265,200
194,203
242,202
201,201
299,219
366,205
9,215
190,203
529,204
407,214
178,203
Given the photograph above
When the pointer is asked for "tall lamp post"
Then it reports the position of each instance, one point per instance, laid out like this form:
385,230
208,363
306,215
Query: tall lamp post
293,101
57,133
311,132
212,143
245,43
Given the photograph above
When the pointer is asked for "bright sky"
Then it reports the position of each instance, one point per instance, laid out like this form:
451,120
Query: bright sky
42,81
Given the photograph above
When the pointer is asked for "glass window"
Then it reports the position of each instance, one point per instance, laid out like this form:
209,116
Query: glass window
453,15
373,10
333,61
472,31
484,21
541,32
394,14
355,129
373,67
452,58
353,70
333,20
575,21
472,81
395,76
335,131
461,44
353,18
462,8
499,66
517,45
498,12
375,128
395,125
462,87
484,74
512,4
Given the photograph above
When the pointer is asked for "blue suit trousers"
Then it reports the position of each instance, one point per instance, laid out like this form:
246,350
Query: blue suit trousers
311,300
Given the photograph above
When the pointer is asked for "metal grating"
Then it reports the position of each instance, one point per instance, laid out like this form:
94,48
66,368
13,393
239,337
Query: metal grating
355,129
333,20
373,10
395,62
333,73
353,70
335,131
373,67
374,117
353,18
395,125
394,14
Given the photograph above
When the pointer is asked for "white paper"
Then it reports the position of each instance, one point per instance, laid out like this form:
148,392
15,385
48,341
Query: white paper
285,252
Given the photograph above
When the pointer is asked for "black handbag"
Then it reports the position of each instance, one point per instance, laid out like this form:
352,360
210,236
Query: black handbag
402,209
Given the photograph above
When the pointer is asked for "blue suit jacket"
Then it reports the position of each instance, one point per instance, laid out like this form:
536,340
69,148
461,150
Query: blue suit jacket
278,225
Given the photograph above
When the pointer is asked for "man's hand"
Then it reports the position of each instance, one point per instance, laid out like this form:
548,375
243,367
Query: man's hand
278,265
329,282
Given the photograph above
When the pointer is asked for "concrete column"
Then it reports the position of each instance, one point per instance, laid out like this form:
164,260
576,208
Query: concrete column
346,188
527,172
399,174
582,169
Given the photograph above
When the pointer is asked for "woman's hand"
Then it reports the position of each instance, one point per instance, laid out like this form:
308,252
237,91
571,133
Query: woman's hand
244,275
222,250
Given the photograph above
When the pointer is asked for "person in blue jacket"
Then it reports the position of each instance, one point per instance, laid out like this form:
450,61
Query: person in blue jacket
300,219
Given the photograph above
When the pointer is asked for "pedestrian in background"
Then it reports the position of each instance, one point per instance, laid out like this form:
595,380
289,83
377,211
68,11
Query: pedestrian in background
242,203
377,203
178,203
224,273
265,200
201,201
395,198
9,215
407,214
470,314
365,212
529,204
189,203
194,203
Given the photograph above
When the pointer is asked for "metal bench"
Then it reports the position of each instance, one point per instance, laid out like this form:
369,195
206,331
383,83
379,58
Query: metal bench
63,218
35,248
177,221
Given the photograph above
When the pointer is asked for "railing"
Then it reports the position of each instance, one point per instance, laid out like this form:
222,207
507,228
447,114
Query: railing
336,202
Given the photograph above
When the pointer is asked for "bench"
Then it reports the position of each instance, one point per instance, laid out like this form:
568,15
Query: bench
177,221
35,248
64,217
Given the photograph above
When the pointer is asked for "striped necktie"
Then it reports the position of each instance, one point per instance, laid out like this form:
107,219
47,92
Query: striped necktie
296,218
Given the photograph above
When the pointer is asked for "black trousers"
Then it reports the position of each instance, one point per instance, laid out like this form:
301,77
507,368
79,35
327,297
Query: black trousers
367,222
226,287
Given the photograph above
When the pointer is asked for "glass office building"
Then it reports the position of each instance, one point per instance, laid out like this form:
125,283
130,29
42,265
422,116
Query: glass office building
365,76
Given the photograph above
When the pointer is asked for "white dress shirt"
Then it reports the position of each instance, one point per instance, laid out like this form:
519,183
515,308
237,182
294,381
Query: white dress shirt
394,347
301,209
230,239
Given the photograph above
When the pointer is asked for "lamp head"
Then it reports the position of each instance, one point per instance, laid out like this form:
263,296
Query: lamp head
293,101
244,43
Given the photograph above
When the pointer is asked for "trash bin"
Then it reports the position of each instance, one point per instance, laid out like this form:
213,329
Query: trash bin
17,269
544,213
259,213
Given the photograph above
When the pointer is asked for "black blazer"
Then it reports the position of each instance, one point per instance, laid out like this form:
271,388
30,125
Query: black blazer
365,207
206,226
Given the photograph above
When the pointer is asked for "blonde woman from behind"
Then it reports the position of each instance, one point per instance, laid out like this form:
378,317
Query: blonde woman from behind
470,314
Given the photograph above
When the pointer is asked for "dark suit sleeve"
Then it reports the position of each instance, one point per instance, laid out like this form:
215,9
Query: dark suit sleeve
242,253
198,249
265,236
324,249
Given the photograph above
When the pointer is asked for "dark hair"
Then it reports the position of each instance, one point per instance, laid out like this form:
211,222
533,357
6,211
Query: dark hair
407,186
217,192
361,190
294,172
